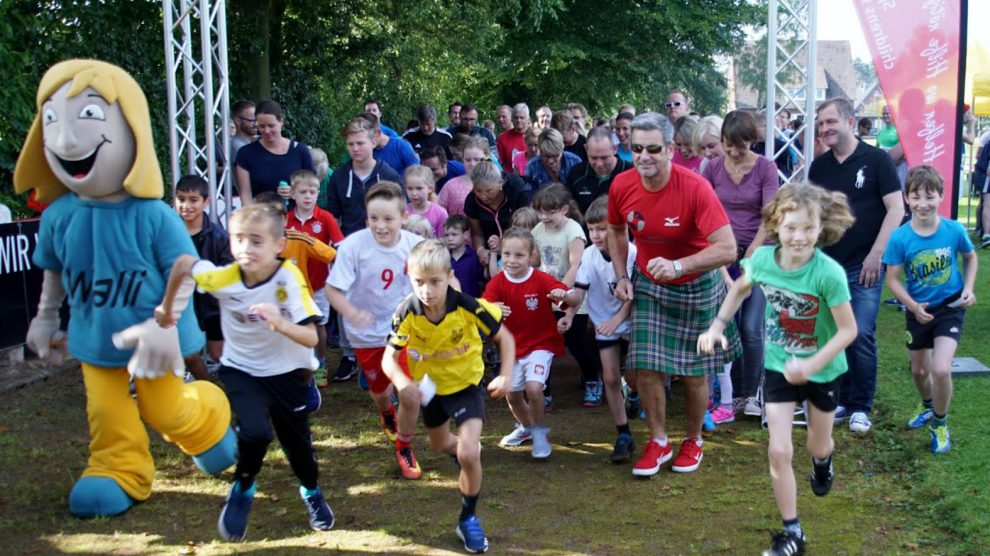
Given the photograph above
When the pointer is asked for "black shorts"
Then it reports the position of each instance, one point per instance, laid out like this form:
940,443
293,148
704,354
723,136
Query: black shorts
623,344
462,405
211,325
823,395
947,322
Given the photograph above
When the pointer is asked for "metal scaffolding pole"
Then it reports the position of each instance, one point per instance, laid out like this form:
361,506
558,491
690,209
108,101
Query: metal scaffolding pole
791,36
199,146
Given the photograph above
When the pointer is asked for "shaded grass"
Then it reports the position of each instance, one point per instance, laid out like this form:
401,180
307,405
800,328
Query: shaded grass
890,494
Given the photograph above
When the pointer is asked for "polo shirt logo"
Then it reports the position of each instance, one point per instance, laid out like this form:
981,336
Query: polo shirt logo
317,227
860,177
671,221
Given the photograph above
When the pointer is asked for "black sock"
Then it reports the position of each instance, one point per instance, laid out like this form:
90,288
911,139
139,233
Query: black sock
793,526
624,429
468,505
246,481
927,403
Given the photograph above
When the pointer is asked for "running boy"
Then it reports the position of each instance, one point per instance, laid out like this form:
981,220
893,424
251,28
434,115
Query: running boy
524,294
320,224
268,320
366,284
809,324
440,328
936,296
596,279
192,196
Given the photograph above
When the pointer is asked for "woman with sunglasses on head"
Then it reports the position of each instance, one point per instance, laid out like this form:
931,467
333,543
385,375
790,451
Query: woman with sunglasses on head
744,182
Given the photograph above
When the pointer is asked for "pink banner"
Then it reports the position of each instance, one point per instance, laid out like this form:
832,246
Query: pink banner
915,47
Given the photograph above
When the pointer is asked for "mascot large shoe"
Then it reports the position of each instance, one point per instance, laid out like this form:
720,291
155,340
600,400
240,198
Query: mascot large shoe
108,241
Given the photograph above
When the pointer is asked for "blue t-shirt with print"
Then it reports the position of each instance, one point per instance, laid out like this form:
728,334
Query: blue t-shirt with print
114,259
931,273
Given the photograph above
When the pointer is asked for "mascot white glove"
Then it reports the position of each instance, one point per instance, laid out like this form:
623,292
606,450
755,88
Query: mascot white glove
44,332
156,350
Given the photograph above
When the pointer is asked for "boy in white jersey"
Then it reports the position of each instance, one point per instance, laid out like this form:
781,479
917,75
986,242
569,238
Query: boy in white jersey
267,315
367,282
596,278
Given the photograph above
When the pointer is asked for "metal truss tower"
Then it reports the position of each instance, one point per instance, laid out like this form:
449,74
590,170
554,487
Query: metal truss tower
791,75
198,84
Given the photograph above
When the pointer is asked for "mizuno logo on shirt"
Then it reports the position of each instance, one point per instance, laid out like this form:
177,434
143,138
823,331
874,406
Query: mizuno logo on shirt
671,221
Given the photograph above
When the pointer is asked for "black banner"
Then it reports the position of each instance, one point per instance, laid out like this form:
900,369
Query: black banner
20,280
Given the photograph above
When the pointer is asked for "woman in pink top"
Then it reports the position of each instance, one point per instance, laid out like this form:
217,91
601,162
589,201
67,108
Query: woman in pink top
745,182
532,149
452,196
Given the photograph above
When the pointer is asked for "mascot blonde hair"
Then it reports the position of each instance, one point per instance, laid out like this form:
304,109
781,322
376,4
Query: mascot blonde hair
106,242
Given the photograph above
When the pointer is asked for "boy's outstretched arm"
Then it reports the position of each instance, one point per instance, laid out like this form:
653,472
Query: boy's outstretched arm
179,289
893,280
737,293
391,368
302,334
798,370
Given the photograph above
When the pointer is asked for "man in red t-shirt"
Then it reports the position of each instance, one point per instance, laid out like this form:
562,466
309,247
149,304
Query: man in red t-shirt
513,140
682,237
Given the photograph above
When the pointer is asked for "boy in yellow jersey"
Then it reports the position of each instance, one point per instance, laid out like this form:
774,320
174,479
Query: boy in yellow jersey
440,329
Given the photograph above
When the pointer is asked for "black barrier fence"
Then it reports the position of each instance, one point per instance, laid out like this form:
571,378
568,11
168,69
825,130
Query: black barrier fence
20,280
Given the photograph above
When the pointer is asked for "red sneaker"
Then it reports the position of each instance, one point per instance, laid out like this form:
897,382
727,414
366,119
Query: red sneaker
408,464
654,456
688,457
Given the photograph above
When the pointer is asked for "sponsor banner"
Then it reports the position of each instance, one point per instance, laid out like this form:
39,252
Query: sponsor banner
20,280
916,50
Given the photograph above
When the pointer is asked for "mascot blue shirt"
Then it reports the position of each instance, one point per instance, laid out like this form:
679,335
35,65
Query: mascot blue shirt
114,259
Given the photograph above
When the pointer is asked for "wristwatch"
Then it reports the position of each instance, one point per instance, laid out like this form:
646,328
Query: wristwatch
677,269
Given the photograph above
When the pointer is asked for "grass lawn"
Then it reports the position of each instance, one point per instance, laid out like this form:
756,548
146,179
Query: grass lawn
890,495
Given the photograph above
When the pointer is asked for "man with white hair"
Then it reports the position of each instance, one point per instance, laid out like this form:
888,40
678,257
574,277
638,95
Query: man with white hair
513,140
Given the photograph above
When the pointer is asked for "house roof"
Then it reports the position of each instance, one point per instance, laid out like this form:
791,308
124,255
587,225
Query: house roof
833,71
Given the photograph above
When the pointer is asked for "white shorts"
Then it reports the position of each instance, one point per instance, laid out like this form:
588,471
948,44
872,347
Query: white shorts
534,367
323,304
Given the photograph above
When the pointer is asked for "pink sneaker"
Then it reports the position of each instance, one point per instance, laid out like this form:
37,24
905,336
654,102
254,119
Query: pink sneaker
689,457
654,456
723,414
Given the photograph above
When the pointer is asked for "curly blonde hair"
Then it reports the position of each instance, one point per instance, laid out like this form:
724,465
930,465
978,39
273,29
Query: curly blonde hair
831,207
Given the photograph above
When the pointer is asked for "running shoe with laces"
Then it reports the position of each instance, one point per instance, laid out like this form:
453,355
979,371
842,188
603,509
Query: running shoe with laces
541,444
753,408
346,370
985,241
624,448
473,536
233,521
313,397
547,403
841,413
941,443
408,465
688,457
387,421
785,544
320,514
860,422
723,414
654,456
921,417
592,394
519,436
821,477
320,375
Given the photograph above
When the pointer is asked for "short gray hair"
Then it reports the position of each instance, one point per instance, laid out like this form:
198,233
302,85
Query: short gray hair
521,108
652,121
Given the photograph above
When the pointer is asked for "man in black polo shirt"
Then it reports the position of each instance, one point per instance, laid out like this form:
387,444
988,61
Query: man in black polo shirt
868,178
591,179
469,125
427,134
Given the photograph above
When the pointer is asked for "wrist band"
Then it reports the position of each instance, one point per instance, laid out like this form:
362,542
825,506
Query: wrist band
621,278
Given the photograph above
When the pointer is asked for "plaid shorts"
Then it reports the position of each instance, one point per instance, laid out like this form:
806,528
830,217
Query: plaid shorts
667,320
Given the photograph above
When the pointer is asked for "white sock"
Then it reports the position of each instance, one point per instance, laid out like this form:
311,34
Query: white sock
662,443
725,383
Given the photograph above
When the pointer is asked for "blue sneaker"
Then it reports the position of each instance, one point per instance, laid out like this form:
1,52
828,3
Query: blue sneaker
234,517
941,443
320,514
313,398
623,450
841,413
709,423
473,535
921,417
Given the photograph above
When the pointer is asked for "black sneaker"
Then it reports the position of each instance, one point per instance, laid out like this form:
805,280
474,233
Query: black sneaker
623,450
633,405
785,544
985,241
345,371
821,477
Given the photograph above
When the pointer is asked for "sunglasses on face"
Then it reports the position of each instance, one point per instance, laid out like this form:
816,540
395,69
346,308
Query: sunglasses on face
248,120
652,149
673,104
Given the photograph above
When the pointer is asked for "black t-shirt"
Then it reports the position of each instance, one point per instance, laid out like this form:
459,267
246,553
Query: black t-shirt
578,148
585,185
420,140
494,221
865,177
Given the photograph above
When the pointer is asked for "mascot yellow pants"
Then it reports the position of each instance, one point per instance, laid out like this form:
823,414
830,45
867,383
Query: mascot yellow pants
195,416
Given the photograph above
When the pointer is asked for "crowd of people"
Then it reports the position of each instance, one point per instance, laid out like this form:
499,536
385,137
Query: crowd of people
651,247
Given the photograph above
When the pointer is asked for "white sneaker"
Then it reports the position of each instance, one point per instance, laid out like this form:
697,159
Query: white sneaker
541,444
860,422
519,436
753,408
840,413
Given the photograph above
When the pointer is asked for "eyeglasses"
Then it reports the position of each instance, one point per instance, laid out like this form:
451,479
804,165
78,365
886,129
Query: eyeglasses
248,120
673,104
652,149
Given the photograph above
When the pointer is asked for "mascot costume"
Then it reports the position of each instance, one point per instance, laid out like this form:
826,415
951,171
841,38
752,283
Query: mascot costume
108,241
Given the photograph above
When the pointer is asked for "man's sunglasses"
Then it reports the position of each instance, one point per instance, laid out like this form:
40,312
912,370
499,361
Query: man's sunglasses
652,149
673,104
